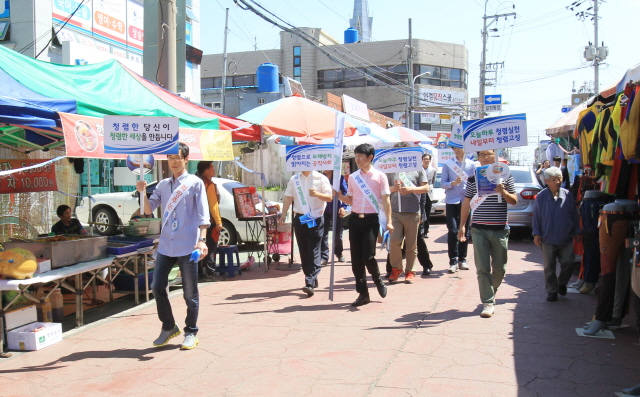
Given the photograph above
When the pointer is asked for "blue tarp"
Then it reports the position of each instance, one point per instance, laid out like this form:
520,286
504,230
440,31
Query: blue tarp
22,106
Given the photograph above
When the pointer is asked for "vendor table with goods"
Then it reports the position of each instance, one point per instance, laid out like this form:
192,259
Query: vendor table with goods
72,278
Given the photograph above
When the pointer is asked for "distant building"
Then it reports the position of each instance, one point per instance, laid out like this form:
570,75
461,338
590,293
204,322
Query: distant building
299,60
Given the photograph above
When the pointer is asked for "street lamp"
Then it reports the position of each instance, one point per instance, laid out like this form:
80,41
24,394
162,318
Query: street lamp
411,102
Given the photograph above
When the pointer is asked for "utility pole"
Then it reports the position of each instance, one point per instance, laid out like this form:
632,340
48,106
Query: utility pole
592,52
224,59
409,113
596,62
483,61
167,71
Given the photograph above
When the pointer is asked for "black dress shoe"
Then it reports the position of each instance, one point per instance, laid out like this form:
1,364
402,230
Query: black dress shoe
382,289
362,300
562,290
552,296
426,272
308,290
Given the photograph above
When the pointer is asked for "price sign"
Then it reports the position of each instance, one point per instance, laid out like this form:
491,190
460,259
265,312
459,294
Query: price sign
39,179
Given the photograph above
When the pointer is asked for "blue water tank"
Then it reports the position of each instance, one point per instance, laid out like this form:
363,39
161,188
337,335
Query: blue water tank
351,36
267,76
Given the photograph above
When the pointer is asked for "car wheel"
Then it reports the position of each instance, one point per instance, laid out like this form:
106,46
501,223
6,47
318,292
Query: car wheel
105,215
228,235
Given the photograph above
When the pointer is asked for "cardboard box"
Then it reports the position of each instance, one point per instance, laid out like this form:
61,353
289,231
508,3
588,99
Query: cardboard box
44,265
17,317
24,339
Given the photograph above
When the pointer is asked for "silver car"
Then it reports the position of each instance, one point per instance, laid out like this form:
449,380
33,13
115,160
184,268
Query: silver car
117,209
519,215
527,188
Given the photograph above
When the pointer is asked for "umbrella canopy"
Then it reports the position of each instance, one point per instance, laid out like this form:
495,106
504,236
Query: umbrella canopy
399,134
295,116
567,123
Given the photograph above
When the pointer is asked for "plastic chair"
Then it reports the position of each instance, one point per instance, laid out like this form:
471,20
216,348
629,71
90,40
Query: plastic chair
230,267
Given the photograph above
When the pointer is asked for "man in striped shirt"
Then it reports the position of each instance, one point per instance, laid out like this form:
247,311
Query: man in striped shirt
489,231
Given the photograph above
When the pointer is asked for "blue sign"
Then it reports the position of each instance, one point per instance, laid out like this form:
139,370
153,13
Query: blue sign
567,109
4,9
309,157
492,99
398,160
495,132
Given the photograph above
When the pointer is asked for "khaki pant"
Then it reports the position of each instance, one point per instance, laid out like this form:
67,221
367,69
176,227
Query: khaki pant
405,227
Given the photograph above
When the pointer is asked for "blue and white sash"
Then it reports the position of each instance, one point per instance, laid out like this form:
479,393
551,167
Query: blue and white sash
309,217
177,196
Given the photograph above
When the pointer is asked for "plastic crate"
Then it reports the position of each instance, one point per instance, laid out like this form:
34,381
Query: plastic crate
120,248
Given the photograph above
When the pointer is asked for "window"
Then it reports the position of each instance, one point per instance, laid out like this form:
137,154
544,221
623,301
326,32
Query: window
297,62
261,101
206,82
441,76
243,81
216,105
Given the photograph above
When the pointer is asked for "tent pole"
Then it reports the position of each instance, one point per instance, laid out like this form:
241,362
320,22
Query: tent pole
264,204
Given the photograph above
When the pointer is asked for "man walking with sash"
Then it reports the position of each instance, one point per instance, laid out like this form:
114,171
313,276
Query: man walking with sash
405,206
310,192
368,191
489,230
455,173
185,221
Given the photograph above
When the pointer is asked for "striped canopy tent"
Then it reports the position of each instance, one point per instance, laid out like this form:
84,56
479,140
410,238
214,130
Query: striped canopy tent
41,90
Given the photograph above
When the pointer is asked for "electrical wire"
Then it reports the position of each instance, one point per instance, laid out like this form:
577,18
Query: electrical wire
58,31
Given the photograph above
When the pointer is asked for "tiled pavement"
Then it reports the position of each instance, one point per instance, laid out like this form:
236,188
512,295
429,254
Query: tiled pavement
261,336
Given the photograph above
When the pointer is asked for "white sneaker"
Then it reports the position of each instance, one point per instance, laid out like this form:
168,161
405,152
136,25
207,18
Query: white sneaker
190,342
462,265
488,310
453,268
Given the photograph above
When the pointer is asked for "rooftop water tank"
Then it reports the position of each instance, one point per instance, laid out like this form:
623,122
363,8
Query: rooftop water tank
351,36
267,76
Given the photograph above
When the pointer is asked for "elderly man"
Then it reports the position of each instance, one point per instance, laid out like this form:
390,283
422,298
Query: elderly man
555,226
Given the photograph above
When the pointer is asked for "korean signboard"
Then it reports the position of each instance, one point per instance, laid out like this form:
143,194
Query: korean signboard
457,137
37,179
495,132
355,108
429,97
398,160
309,157
203,144
136,135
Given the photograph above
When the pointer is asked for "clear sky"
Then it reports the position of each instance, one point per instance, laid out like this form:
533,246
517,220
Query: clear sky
541,48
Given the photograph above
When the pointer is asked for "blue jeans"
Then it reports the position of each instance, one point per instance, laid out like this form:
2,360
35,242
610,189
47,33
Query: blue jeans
189,271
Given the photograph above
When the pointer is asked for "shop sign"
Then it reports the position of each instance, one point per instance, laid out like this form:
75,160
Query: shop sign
430,97
404,159
38,179
203,144
138,135
355,108
309,158
495,132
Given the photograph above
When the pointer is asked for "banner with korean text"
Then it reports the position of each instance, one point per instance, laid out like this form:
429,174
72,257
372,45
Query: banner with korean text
456,139
309,157
495,132
84,137
138,134
403,159
34,179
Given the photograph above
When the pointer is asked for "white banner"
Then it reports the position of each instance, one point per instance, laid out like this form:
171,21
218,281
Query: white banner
495,132
141,135
429,97
310,158
403,159
354,107
337,151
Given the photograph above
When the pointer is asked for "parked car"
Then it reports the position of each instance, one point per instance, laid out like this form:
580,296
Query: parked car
527,188
117,209
519,215
438,208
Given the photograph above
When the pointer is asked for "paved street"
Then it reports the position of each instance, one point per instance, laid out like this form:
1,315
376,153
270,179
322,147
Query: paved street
261,336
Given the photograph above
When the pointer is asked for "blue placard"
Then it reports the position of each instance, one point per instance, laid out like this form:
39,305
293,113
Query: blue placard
484,186
495,132
309,157
141,135
403,159
492,99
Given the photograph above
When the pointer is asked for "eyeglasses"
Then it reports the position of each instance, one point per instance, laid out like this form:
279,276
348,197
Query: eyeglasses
485,154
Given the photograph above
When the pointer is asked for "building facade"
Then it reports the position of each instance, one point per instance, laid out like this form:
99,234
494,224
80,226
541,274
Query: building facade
445,87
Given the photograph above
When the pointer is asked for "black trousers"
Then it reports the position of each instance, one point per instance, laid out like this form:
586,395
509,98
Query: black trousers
363,236
337,237
208,263
457,249
427,210
309,239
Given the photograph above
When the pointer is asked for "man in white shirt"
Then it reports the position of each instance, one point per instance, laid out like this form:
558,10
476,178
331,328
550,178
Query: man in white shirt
309,191
431,180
